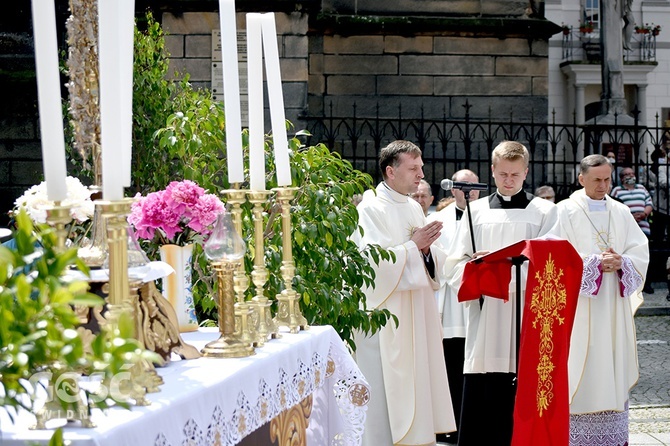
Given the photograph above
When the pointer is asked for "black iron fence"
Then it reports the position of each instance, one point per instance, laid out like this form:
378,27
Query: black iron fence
452,144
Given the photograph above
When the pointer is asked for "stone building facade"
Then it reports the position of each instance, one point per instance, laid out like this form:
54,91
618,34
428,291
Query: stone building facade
424,58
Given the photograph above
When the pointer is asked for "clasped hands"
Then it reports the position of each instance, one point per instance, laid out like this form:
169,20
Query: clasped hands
425,236
611,261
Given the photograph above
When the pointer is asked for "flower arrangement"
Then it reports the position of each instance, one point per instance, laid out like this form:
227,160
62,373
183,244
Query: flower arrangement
180,214
35,201
586,27
648,29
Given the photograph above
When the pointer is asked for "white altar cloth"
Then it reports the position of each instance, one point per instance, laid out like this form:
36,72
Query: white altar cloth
209,401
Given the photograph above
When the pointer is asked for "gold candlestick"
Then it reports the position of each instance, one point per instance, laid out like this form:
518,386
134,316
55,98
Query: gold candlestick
143,375
58,217
288,308
243,310
115,214
227,346
259,275
225,250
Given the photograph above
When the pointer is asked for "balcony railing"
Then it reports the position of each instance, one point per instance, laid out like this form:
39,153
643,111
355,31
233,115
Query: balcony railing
581,45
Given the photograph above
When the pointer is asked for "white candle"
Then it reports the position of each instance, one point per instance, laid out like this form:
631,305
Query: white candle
109,56
126,40
48,93
276,100
231,91
255,84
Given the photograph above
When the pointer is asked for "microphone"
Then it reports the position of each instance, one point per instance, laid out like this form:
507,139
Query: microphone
447,184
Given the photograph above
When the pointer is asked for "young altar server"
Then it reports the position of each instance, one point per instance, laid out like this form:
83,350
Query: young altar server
505,217
404,365
602,364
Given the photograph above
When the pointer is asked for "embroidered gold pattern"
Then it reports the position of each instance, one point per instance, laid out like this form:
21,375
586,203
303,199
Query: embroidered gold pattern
242,426
359,394
330,368
264,409
548,299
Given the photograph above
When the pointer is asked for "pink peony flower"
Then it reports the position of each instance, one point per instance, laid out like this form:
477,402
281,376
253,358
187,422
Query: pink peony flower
204,212
181,214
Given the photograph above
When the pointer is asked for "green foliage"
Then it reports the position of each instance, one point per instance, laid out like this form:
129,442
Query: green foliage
330,270
38,334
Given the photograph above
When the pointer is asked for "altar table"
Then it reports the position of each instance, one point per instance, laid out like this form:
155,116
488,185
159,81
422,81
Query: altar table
308,376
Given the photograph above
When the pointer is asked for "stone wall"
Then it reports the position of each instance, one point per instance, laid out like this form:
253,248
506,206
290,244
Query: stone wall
433,74
189,42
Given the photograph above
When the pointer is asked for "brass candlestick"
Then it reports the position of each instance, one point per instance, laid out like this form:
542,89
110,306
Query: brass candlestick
58,217
225,250
259,275
288,308
227,346
244,312
115,213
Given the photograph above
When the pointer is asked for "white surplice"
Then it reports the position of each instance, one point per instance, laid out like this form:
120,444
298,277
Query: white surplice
602,364
404,365
452,311
490,341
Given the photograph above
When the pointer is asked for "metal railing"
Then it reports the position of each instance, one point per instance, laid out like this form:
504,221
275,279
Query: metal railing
582,45
452,144
555,150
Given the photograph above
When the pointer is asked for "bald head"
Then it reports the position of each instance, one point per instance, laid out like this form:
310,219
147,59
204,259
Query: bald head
464,175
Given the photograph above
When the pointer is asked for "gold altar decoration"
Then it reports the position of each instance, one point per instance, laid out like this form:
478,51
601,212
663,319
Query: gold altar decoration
289,428
84,108
288,308
143,374
58,217
245,314
259,276
225,250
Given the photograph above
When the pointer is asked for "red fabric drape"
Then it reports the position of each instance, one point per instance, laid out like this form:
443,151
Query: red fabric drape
541,411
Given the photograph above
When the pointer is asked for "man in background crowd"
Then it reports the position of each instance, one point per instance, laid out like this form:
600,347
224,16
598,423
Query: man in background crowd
546,192
452,312
424,196
638,200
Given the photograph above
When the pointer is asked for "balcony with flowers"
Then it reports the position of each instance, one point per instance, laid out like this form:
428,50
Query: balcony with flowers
582,44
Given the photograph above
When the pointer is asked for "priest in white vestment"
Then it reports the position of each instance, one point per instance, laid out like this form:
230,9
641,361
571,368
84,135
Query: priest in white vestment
451,311
404,365
602,364
507,216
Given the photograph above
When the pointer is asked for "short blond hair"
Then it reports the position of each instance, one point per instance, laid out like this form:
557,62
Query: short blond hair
510,151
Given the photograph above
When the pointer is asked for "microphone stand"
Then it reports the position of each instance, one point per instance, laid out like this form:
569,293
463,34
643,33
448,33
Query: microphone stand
466,194
517,261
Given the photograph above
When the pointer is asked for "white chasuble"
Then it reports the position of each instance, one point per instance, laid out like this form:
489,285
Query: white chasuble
603,363
405,364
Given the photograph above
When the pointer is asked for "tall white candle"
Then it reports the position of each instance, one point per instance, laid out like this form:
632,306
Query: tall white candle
276,100
126,40
231,91
256,121
48,93
109,55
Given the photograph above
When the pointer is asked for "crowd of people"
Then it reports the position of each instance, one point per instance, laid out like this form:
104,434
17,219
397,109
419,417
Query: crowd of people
448,371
